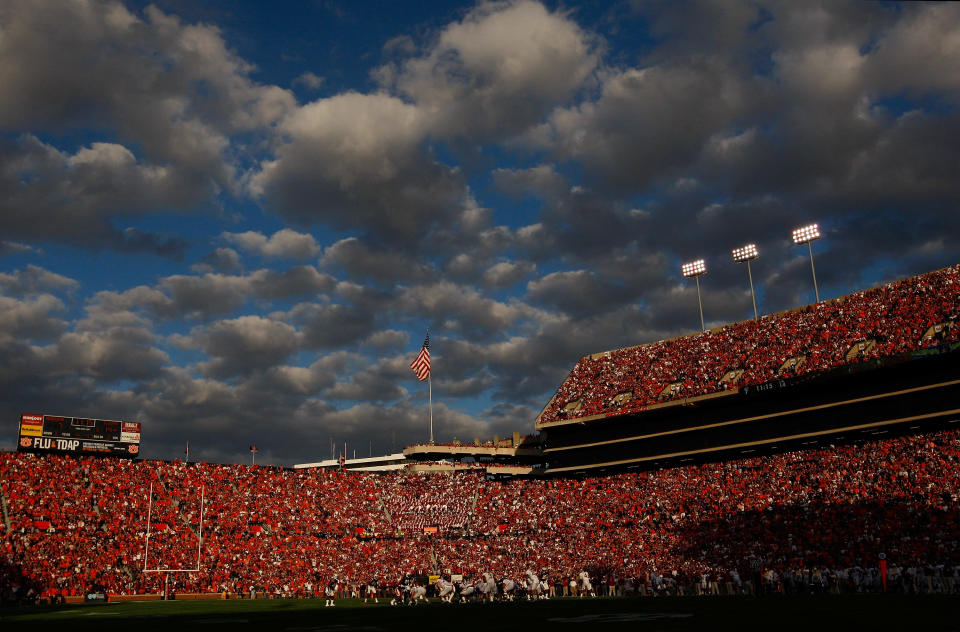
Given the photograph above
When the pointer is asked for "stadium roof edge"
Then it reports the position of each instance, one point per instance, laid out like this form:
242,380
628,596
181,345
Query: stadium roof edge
387,459
684,401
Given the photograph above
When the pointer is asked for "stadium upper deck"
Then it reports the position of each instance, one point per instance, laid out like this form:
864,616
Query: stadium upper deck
898,317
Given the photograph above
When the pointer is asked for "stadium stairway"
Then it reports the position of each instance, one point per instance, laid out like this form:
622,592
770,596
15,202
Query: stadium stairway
93,494
434,560
6,515
473,508
383,508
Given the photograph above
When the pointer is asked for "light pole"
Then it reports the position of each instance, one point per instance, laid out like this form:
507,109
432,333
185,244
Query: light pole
806,235
695,269
747,254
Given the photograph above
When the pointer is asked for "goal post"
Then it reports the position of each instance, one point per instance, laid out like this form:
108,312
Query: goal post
146,546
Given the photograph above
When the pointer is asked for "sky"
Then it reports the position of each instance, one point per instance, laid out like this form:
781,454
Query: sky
234,221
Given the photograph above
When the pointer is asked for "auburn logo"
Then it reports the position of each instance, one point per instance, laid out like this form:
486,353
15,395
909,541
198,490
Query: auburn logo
25,442
133,449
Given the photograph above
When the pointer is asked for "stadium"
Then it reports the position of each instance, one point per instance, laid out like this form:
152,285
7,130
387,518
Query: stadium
733,462
686,277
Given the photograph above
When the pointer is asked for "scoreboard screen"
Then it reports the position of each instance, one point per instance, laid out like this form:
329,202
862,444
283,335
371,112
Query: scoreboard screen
78,435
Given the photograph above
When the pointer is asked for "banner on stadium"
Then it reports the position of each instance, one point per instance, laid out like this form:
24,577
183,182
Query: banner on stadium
31,425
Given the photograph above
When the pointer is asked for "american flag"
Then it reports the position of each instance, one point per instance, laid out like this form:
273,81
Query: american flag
421,364
254,449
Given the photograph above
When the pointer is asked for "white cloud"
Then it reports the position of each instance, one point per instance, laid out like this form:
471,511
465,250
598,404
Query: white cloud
310,80
284,243
33,280
241,345
358,161
500,69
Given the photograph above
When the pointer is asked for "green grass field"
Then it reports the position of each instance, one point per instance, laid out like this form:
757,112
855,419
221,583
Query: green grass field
869,612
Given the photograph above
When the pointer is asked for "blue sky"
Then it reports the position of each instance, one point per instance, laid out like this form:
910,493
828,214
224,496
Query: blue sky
234,221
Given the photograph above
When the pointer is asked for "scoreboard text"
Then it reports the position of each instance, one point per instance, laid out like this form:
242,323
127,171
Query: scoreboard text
78,435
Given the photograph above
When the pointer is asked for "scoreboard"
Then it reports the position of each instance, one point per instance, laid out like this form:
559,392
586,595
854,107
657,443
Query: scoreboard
78,435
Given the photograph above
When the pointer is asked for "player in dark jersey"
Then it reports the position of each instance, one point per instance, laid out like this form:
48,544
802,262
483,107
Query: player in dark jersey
331,591
371,591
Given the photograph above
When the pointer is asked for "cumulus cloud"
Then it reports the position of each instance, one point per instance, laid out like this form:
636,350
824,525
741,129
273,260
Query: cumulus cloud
541,181
211,294
242,345
507,273
48,194
173,90
361,260
388,339
326,326
579,292
95,64
33,280
366,386
498,70
13,247
464,310
310,80
222,260
646,123
34,318
284,243
112,355
357,161
921,52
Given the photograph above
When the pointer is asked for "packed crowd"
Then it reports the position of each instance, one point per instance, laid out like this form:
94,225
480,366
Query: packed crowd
813,520
888,320
416,502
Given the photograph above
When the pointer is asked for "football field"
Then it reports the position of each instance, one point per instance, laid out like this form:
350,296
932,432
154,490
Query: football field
858,612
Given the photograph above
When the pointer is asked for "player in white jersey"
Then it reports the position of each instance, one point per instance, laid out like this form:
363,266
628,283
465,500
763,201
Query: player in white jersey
585,585
507,587
488,587
445,590
533,585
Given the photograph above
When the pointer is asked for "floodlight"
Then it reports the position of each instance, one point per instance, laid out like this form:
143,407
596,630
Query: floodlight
747,254
694,268
806,234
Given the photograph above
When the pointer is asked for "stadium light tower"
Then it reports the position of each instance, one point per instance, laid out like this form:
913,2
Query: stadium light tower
747,254
695,269
807,235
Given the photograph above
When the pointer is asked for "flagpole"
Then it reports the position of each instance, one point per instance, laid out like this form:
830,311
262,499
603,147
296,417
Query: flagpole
421,368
